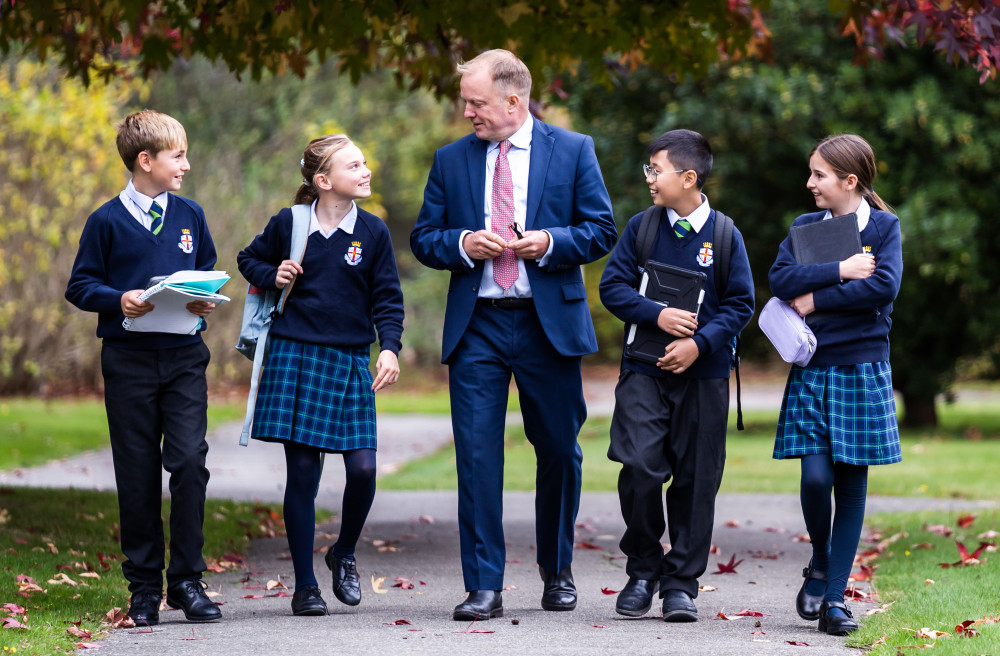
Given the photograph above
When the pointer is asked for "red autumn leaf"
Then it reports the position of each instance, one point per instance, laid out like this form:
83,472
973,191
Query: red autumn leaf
714,549
398,623
965,521
864,575
940,529
797,643
11,623
746,612
771,529
853,593
722,616
253,596
405,584
730,567
609,591
79,633
757,633
14,609
276,594
589,545
732,523
88,645
965,558
599,626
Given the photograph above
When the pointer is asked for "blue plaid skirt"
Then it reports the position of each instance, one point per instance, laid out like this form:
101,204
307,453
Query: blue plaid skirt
847,411
316,395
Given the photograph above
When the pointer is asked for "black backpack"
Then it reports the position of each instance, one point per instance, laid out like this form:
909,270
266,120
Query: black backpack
722,242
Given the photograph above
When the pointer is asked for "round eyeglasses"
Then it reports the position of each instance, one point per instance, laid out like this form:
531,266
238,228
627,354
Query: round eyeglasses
648,171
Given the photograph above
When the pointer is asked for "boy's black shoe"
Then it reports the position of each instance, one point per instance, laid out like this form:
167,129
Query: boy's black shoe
480,605
636,598
679,607
307,600
836,624
807,605
346,584
560,591
144,608
190,597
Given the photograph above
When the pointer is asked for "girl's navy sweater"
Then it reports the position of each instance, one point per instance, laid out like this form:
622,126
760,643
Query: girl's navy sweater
857,331
118,254
719,319
333,302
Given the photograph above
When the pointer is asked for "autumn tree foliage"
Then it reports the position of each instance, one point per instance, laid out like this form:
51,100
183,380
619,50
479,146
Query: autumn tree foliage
421,41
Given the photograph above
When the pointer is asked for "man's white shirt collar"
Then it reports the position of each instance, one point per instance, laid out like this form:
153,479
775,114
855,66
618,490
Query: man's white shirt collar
520,139
697,218
346,224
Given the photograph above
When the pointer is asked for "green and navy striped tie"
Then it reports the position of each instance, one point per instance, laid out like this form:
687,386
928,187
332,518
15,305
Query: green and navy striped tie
156,212
681,228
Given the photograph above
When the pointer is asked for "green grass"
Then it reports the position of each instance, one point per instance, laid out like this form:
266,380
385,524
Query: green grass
956,595
934,464
51,532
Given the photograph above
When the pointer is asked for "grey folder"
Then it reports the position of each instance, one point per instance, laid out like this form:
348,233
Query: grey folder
832,240
669,286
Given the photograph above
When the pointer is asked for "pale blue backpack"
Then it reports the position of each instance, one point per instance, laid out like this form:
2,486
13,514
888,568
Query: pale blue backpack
260,309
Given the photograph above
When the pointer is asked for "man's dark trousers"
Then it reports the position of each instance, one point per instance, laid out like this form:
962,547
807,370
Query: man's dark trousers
151,394
496,344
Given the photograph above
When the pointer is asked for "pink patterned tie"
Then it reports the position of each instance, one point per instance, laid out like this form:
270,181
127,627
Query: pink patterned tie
502,215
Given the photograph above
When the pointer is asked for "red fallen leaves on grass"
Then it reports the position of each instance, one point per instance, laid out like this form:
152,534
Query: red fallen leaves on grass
609,591
940,529
965,558
964,521
87,645
119,620
730,567
965,629
864,575
11,623
77,632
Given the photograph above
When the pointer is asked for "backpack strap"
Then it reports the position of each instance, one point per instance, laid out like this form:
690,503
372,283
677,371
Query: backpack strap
301,214
647,231
722,242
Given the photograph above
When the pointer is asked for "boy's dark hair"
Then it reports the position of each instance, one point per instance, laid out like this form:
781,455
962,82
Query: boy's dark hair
687,150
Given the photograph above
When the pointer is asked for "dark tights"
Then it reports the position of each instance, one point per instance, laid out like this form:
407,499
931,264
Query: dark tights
304,468
833,550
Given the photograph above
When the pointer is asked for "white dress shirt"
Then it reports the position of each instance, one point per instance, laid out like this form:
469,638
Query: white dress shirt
138,204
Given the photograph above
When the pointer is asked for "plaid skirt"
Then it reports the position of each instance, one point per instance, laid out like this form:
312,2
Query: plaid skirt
315,395
847,411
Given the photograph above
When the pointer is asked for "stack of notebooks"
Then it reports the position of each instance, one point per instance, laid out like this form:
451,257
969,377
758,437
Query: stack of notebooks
170,296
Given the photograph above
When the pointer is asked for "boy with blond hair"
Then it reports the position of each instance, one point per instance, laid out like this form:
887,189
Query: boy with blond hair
154,383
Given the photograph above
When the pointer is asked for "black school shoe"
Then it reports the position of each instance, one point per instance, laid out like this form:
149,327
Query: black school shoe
636,598
307,601
479,605
346,584
679,607
836,624
190,597
807,605
144,608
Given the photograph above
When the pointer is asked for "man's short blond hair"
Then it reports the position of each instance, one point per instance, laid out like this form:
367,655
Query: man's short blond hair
148,131
508,72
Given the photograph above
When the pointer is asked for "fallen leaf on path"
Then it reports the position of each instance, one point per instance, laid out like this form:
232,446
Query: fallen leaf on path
119,620
732,523
797,643
599,626
589,545
403,583
746,612
707,588
723,616
377,585
88,645
272,584
771,529
802,537
510,587
397,623
865,574
730,567
253,596
609,591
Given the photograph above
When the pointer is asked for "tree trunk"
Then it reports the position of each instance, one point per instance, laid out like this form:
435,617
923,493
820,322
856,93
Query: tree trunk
920,411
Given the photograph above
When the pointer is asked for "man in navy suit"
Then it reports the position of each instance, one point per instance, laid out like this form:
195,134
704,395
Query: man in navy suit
513,211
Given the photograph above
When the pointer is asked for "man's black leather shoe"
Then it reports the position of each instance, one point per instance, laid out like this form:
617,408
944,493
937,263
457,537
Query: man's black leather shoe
679,607
636,598
190,597
836,624
307,600
144,608
480,605
346,584
807,605
560,591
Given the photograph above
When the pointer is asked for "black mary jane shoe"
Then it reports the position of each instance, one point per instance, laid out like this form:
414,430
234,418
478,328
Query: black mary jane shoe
346,584
479,605
308,601
807,605
835,624
636,598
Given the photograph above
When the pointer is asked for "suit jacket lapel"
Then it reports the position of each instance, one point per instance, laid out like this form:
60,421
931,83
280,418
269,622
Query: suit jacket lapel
541,151
476,154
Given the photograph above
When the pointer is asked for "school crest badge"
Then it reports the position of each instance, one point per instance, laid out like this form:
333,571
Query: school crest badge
705,254
186,243
353,254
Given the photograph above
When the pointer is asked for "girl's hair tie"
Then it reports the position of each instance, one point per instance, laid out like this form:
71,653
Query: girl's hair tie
306,182
302,162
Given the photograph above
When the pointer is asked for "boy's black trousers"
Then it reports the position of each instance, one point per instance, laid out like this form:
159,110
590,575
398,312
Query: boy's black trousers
669,429
149,395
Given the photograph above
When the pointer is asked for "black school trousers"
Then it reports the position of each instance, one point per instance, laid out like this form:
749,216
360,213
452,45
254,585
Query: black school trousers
157,403
669,429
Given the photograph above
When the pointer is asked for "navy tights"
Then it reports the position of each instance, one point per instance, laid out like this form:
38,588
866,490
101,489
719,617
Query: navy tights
833,550
304,468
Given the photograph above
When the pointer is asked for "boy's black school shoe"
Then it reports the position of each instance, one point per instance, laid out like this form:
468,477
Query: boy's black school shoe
144,608
307,600
636,598
836,624
190,597
679,607
807,605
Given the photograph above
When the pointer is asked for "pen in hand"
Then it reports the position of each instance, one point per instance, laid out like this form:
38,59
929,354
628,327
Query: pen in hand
516,229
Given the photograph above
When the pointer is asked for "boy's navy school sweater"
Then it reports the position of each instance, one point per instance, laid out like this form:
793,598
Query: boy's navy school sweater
118,254
333,303
718,320
858,331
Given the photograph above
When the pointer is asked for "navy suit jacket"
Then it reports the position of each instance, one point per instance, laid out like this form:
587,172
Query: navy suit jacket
566,197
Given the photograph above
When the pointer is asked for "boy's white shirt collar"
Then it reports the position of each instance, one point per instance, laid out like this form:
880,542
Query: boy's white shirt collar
864,213
520,139
697,218
143,201
346,224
